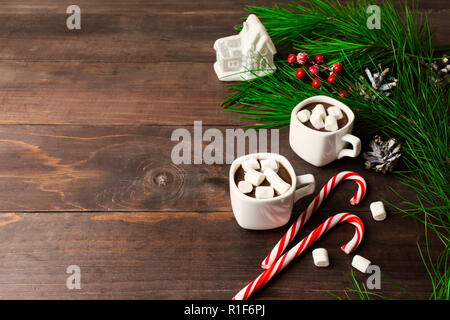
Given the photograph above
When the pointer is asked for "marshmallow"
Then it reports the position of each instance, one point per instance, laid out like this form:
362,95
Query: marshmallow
245,187
269,164
320,110
361,263
378,211
254,177
331,123
303,115
276,182
264,192
317,121
336,112
320,257
250,164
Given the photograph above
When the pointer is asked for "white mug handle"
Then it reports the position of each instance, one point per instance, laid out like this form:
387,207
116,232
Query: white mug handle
356,147
309,185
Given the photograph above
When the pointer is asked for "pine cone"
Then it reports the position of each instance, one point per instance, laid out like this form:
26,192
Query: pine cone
441,69
384,155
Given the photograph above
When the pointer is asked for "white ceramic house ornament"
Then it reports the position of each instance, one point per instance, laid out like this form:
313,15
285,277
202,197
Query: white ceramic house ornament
246,55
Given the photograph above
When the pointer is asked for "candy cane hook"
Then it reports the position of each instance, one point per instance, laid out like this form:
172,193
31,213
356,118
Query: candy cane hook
286,258
313,206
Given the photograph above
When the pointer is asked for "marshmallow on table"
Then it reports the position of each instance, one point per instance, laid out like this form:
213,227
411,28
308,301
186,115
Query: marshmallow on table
270,163
276,182
361,263
254,177
250,164
331,123
245,187
320,257
304,115
378,211
336,112
320,110
264,192
317,121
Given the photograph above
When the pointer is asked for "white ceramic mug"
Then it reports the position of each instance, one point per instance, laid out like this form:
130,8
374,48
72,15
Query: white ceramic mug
263,214
320,148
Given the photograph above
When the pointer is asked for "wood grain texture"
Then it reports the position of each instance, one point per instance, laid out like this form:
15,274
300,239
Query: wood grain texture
86,177
134,31
187,255
110,94
129,168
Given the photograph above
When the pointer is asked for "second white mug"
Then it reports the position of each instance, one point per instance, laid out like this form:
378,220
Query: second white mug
320,148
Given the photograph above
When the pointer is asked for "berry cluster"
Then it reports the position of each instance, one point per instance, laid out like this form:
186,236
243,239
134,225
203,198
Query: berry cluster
314,68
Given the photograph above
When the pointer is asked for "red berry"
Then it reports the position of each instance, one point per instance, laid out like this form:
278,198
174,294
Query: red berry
301,73
314,70
320,58
302,57
337,68
332,79
344,94
316,83
291,59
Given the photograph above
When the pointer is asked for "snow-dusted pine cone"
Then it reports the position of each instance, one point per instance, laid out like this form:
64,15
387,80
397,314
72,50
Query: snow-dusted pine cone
440,68
380,81
384,155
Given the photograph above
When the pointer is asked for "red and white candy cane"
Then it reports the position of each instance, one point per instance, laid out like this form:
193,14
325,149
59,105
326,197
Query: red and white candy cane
286,258
313,206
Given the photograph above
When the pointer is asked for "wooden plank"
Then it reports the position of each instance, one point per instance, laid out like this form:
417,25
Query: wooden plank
188,255
129,168
112,94
136,31
162,6
151,37
134,64
131,7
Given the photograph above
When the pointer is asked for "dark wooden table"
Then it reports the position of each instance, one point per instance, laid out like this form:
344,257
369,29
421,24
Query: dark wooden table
86,178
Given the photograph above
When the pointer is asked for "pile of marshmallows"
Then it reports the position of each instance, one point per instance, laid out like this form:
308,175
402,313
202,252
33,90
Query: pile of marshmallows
253,178
319,118
320,255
